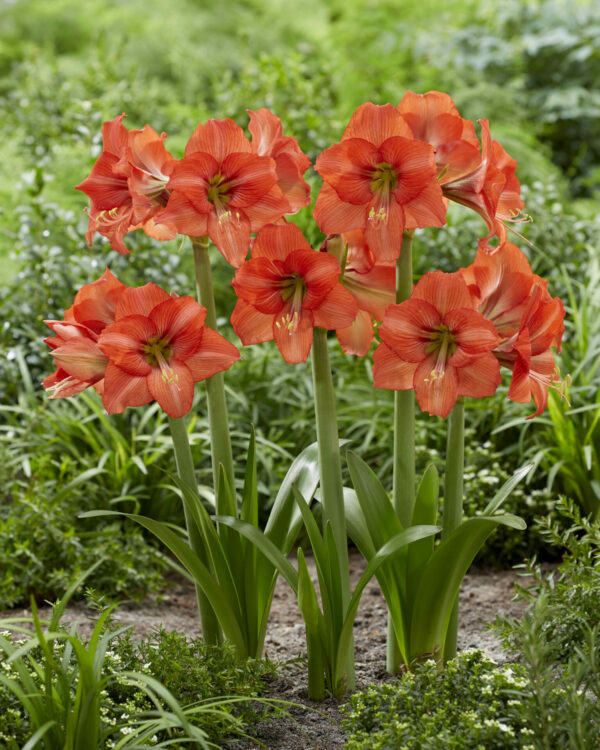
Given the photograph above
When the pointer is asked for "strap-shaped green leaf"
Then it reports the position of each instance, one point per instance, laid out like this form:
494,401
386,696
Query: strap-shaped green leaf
440,583
506,489
425,512
397,542
284,519
378,511
262,542
357,525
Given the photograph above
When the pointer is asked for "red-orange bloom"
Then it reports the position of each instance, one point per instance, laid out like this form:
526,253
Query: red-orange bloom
436,343
380,179
433,118
532,362
223,189
158,348
528,319
127,184
290,161
489,186
501,284
286,289
80,362
372,284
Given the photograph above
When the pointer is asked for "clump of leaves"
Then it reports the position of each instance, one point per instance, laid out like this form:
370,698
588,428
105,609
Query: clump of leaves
571,593
194,672
465,706
68,692
43,544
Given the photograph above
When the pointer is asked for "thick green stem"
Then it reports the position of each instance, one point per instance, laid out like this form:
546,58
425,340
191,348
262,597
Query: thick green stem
332,494
220,442
453,500
403,491
211,629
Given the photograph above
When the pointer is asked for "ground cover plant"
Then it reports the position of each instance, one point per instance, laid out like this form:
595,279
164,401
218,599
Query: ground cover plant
248,479
59,691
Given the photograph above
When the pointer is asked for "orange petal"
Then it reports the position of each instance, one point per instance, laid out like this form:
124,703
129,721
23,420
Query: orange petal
180,321
214,355
270,208
445,291
376,123
266,130
140,300
123,343
357,337
295,342
181,215
334,216
252,326
406,328
172,387
480,378
436,393
337,310
230,231
218,138
391,372
122,390
278,241
249,177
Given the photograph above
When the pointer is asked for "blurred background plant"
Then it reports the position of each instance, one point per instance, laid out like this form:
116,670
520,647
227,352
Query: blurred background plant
66,67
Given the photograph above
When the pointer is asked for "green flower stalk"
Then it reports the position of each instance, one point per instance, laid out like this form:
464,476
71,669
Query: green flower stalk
211,629
403,492
220,441
453,500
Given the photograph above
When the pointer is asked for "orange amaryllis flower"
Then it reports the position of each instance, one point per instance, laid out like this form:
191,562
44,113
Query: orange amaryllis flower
434,118
290,161
528,353
158,347
372,284
223,189
501,285
436,343
490,187
508,294
380,179
127,184
80,362
286,289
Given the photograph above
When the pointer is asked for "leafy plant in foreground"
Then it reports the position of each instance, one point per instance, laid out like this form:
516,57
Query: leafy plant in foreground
464,707
59,681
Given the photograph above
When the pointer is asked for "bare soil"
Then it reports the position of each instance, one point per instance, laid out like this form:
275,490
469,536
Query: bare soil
316,726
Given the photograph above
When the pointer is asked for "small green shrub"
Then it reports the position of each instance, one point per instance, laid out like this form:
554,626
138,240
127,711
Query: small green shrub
110,692
43,544
572,592
194,671
465,706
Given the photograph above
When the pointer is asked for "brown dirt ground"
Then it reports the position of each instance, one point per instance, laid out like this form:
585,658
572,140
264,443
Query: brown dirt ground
317,726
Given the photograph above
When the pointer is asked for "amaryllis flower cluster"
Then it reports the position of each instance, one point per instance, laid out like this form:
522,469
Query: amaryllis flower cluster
394,170
450,338
135,345
225,187
285,290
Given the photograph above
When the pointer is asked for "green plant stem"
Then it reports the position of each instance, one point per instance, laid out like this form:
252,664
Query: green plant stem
220,441
211,629
332,494
453,500
403,491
